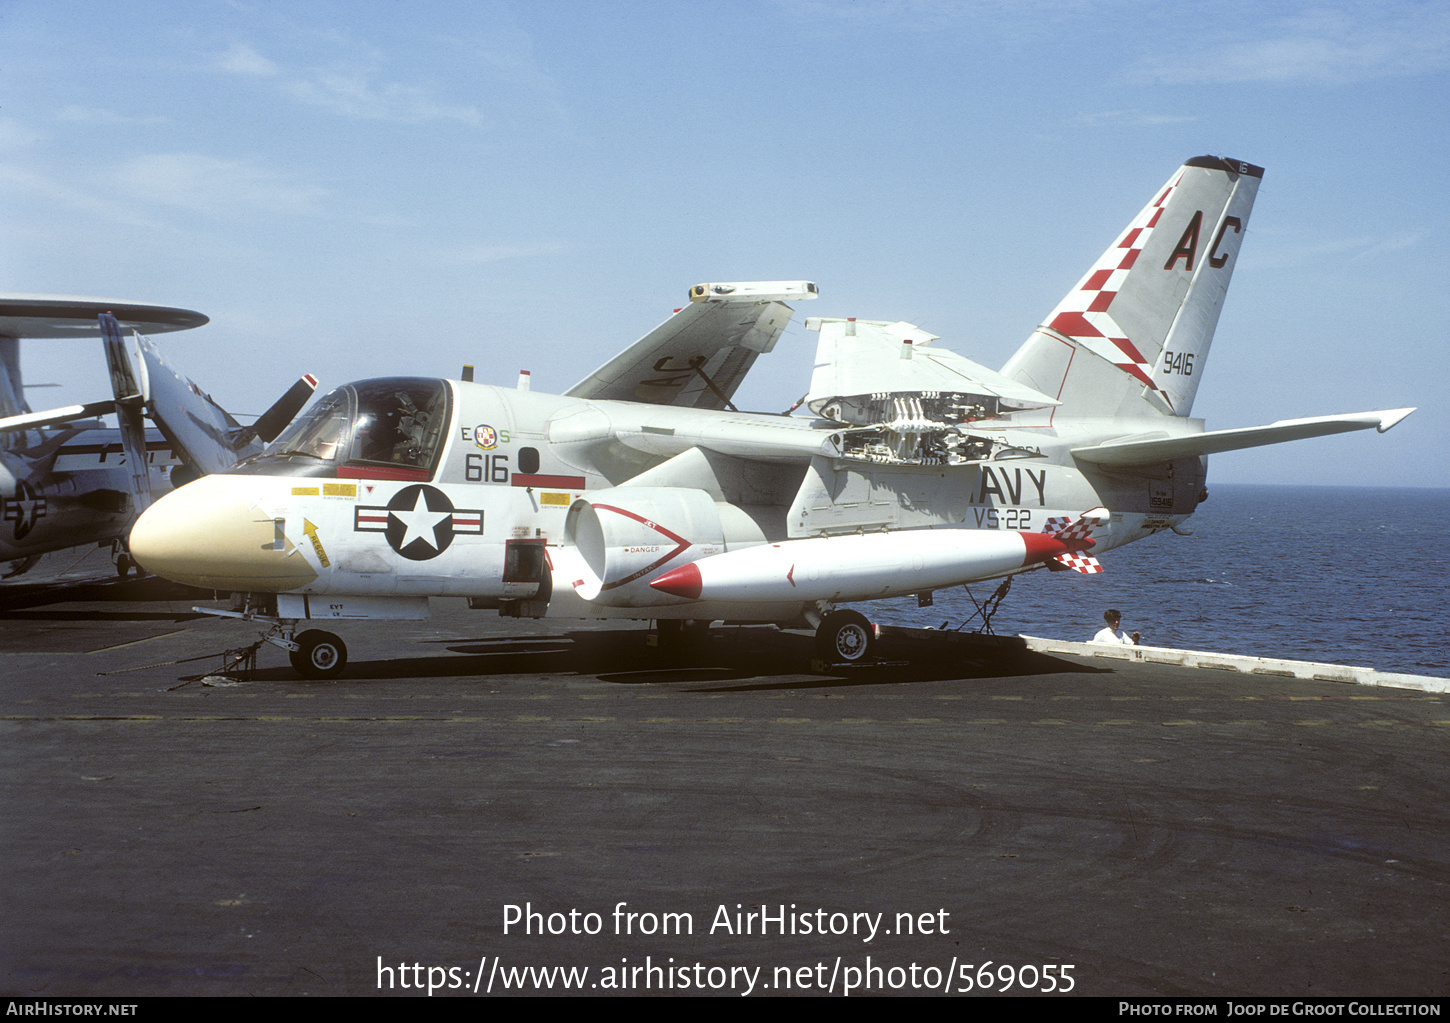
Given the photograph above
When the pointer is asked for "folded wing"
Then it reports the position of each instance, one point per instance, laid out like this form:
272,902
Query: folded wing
699,356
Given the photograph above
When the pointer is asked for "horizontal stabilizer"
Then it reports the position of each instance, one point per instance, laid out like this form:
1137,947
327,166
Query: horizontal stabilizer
55,416
699,356
1146,450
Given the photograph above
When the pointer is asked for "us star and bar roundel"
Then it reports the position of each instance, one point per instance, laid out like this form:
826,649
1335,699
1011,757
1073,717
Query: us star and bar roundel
24,509
419,522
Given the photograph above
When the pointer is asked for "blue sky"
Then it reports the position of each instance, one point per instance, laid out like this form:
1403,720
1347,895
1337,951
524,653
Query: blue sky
363,189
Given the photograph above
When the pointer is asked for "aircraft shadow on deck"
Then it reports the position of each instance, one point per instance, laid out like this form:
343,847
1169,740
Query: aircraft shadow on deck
99,616
727,660
62,599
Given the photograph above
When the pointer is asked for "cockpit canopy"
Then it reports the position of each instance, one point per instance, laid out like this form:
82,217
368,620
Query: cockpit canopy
389,428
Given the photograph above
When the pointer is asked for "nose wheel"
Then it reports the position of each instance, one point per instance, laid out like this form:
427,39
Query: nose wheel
319,654
314,653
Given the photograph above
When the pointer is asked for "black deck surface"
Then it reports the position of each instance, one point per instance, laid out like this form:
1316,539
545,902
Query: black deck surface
1158,830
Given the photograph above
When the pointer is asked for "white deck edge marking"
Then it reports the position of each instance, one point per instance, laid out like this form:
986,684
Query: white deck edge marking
1250,665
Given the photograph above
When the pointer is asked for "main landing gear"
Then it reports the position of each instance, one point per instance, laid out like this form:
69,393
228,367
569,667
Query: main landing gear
844,637
676,635
121,558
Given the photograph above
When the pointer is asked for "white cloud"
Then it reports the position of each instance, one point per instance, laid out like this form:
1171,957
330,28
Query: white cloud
96,115
243,60
1395,244
1285,251
1131,119
1321,45
920,15
207,184
496,253
354,94
65,196
16,135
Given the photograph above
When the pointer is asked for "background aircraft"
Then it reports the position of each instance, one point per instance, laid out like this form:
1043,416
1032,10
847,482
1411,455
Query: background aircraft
642,493
67,480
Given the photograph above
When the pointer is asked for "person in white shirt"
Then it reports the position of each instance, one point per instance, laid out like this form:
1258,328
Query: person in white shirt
1112,634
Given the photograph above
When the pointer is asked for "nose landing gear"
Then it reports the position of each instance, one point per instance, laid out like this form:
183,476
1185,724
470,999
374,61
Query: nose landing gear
318,655
314,653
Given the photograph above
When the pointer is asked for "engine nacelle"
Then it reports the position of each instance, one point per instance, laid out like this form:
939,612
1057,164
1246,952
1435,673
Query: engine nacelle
627,536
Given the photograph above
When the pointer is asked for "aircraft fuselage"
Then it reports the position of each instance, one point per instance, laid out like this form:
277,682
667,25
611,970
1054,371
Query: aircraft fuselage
501,496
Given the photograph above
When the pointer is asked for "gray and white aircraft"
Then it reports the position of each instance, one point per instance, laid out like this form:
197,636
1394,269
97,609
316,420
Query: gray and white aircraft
68,480
643,493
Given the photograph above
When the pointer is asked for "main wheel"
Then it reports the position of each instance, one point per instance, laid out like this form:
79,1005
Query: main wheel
322,655
121,558
844,636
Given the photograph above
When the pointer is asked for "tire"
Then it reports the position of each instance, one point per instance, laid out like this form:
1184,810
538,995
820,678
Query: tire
845,637
669,638
322,655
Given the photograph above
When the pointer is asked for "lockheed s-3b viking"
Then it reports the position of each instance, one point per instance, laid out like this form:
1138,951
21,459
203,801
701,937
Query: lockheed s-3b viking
643,493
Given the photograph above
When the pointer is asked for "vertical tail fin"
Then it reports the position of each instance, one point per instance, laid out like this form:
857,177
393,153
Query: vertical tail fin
129,383
203,433
1132,337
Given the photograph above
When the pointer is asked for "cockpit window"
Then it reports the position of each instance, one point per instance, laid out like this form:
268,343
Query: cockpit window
398,425
319,433
394,421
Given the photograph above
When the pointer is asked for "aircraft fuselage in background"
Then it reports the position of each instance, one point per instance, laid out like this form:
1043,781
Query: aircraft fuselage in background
65,479
71,486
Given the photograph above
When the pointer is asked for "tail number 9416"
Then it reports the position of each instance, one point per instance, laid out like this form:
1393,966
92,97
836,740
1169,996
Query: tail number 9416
1178,362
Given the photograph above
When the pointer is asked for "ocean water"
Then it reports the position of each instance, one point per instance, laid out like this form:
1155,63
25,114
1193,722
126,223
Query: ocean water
1347,575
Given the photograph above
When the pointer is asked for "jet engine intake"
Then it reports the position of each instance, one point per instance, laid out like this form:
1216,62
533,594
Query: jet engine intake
627,536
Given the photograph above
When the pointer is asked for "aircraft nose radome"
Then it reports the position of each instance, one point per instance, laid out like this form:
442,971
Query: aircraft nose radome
209,534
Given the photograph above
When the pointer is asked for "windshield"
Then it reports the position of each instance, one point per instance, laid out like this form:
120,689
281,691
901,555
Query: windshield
395,421
320,431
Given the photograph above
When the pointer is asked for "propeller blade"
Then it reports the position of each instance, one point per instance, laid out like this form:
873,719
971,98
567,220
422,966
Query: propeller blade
275,419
